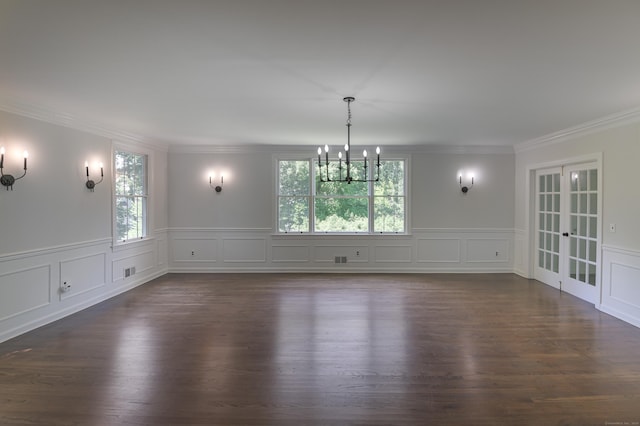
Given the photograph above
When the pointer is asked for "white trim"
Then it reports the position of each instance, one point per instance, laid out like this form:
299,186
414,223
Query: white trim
309,151
53,249
200,229
607,122
339,236
621,250
463,230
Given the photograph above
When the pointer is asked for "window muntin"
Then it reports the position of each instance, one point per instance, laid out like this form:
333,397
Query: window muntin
338,207
130,195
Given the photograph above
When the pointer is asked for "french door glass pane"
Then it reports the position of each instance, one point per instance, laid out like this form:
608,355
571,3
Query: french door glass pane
583,225
549,221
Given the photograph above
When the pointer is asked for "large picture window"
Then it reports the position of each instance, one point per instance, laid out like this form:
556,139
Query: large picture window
305,204
130,195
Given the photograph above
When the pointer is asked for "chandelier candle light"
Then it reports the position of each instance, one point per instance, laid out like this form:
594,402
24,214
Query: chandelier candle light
347,149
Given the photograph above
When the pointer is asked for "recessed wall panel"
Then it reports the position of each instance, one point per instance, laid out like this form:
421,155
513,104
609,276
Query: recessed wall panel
436,250
393,254
24,290
483,250
625,284
242,250
195,249
83,273
290,253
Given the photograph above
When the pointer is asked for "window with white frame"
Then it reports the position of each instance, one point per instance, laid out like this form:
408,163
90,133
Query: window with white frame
306,204
130,195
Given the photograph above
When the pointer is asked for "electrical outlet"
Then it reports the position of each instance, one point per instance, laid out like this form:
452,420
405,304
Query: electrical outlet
193,253
65,286
612,227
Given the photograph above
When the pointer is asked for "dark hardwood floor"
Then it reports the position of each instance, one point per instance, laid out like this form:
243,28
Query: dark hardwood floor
324,349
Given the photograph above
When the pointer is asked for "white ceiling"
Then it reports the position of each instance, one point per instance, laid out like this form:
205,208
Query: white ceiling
228,72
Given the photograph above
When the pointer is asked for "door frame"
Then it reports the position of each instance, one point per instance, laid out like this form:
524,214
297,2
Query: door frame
530,205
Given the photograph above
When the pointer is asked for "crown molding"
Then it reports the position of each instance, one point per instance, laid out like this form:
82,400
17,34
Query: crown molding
311,149
615,120
77,123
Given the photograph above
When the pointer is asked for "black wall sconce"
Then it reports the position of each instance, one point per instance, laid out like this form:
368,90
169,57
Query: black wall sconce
91,184
218,188
9,180
465,188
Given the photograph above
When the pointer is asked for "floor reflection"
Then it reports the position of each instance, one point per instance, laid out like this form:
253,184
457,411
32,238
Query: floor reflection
330,341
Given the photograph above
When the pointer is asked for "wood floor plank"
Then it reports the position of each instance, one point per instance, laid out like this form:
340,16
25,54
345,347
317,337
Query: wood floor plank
327,349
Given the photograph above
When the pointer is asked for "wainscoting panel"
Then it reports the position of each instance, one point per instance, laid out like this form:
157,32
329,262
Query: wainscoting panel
423,250
290,253
195,249
393,254
625,286
482,250
621,284
138,264
24,290
84,273
439,250
244,250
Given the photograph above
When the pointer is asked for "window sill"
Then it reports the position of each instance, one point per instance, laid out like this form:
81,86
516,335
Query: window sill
337,235
120,246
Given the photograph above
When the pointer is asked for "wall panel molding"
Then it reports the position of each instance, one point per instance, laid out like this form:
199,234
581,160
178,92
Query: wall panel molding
621,284
25,290
423,250
84,273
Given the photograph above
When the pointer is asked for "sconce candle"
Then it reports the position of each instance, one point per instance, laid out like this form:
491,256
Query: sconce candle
8,180
218,188
91,184
465,188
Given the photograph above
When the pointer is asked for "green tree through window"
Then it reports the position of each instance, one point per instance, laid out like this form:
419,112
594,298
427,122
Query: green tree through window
337,206
130,195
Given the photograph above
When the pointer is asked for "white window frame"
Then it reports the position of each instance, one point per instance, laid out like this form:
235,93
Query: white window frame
313,170
117,146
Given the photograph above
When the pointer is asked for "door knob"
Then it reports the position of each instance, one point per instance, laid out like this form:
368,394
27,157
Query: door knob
565,234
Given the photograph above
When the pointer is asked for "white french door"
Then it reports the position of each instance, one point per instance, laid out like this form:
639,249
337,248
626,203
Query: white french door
567,229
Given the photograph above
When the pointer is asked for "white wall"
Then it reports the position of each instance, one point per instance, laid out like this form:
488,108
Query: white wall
54,230
235,229
437,201
620,148
246,200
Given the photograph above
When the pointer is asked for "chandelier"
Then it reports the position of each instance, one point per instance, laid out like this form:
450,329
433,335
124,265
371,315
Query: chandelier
344,171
